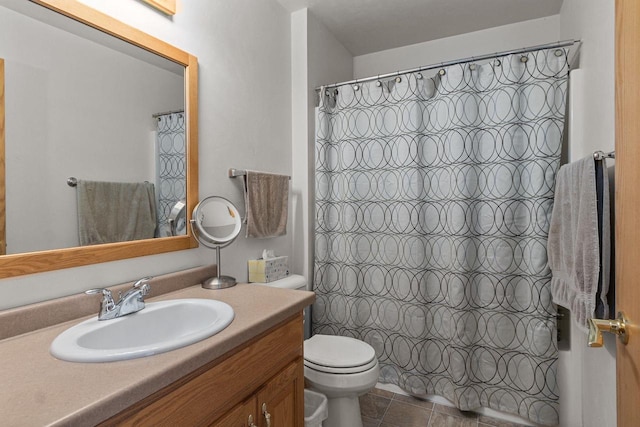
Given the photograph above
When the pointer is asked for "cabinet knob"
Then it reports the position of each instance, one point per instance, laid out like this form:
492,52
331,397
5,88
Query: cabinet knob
250,422
267,415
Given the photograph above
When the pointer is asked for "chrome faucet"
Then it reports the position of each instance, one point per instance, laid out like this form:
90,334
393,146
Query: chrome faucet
131,302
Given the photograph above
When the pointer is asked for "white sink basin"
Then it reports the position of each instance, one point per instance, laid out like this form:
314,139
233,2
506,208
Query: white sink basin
159,327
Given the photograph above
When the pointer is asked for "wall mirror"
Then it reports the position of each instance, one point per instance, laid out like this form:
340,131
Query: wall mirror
91,98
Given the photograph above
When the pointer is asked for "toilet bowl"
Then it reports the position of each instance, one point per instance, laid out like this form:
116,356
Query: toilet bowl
342,369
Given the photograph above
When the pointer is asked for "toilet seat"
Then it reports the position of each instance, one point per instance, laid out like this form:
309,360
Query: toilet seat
338,355
332,370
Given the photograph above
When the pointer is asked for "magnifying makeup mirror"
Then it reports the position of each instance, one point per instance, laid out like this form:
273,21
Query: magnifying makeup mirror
178,219
216,223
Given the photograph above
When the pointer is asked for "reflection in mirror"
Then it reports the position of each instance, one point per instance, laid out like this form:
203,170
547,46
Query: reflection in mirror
178,219
171,174
216,223
77,107
90,98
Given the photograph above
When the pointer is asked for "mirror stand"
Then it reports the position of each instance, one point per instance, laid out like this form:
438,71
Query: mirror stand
219,282
216,223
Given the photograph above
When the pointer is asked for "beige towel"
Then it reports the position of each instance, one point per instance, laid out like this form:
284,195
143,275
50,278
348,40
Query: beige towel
266,198
573,246
115,212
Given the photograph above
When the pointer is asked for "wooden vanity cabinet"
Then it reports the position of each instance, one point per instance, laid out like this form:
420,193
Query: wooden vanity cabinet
267,372
276,400
243,415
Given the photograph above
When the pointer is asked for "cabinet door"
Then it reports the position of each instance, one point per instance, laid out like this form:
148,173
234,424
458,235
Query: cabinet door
242,415
281,400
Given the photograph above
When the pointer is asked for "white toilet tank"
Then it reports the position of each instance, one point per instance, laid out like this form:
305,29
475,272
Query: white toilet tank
294,281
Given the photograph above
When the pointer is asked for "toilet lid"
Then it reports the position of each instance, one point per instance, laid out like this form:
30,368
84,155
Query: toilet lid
332,351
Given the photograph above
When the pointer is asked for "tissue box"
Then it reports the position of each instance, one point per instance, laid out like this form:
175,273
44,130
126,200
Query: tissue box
268,270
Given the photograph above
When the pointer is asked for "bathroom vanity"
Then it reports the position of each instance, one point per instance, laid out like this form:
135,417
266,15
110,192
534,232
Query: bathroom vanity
264,379
251,372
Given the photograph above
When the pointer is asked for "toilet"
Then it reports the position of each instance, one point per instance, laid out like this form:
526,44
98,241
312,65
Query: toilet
341,368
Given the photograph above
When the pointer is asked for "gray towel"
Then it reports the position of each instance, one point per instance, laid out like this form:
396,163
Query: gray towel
115,212
605,295
266,198
573,248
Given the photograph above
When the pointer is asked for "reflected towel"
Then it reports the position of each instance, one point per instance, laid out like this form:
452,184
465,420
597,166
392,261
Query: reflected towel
266,198
573,246
115,212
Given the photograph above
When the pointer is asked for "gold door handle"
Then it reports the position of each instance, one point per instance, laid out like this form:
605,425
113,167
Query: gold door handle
618,326
267,415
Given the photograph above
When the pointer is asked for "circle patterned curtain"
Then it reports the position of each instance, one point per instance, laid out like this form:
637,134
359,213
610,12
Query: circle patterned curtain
433,201
171,168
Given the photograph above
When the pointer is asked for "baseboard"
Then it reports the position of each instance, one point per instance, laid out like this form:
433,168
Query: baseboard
442,401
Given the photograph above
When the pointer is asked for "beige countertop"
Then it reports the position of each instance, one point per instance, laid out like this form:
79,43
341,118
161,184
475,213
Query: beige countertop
36,389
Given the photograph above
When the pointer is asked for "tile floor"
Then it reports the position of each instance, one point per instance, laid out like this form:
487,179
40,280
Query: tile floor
381,408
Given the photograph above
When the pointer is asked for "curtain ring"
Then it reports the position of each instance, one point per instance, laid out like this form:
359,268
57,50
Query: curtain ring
356,86
398,78
523,56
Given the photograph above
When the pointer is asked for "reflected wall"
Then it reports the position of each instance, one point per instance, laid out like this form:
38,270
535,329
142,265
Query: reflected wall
73,108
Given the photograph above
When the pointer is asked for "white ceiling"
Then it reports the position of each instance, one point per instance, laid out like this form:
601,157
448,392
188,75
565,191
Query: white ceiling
365,26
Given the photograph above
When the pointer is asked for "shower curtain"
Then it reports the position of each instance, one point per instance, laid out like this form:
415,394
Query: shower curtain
171,169
433,201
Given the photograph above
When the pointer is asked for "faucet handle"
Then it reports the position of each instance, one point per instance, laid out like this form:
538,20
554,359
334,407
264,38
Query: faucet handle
104,291
143,285
107,298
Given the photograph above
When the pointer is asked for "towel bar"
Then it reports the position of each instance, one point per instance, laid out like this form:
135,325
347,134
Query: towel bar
599,155
234,173
72,181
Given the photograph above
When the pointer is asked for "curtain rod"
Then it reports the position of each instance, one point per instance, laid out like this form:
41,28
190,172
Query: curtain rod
559,44
166,113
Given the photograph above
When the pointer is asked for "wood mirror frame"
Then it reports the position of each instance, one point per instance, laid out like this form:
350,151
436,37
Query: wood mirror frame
36,262
3,207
